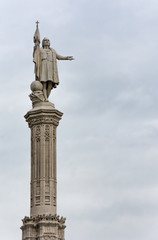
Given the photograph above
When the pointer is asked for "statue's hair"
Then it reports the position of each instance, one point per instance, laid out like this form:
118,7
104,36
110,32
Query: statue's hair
45,39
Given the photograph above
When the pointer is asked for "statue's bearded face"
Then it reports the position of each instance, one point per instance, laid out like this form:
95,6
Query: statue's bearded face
46,42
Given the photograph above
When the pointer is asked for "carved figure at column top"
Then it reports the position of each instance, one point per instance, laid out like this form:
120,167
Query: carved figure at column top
45,59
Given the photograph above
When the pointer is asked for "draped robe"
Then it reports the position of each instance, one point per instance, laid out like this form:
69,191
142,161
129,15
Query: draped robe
46,65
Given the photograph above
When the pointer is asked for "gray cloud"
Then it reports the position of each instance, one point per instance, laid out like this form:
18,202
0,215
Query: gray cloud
107,139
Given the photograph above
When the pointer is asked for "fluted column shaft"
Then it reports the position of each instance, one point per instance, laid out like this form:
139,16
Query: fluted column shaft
43,122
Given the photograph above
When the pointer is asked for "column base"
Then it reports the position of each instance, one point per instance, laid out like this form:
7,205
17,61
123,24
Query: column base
43,227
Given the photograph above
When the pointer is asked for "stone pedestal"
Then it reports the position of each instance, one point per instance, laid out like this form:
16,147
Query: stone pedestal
43,223
42,227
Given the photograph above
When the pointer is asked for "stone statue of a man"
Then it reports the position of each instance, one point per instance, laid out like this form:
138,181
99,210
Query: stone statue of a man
45,59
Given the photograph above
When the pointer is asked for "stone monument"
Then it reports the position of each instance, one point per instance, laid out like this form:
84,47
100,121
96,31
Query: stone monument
43,119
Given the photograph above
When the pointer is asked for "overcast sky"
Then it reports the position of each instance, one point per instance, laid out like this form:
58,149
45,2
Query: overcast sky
107,140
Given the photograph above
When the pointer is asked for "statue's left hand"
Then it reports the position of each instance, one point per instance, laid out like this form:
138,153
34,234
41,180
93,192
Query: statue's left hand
70,58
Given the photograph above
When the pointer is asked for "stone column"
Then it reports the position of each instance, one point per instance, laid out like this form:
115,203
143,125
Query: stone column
43,222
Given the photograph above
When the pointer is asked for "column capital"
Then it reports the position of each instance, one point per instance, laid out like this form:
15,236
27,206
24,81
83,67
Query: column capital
45,113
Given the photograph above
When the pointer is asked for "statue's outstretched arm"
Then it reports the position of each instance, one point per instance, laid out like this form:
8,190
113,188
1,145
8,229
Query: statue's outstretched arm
59,57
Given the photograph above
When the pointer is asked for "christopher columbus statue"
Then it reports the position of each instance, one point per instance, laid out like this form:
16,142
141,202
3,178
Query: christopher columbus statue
45,59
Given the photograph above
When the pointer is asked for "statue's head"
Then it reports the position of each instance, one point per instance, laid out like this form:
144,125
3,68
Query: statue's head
45,42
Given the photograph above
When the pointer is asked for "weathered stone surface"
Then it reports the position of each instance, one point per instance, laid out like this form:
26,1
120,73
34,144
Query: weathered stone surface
43,227
43,119
45,60
43,222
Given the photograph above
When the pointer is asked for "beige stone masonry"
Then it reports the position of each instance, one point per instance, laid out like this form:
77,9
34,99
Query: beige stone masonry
41,227
43,223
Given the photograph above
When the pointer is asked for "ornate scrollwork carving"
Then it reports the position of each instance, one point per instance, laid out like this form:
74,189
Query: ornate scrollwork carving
47,133
38,133
54,133
49,217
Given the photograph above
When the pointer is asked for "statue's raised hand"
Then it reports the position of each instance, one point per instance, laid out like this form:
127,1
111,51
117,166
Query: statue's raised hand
70,58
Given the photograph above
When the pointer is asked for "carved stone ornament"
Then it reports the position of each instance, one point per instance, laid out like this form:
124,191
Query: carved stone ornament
45,60
43,119
37,93
38,133
47,133
44,217
44,115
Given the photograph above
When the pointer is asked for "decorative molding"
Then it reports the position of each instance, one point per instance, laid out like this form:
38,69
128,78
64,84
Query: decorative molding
43,116
43,227
47,133
44,217
38,133
54,133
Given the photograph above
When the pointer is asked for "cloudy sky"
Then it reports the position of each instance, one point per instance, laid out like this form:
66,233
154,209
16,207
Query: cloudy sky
108,137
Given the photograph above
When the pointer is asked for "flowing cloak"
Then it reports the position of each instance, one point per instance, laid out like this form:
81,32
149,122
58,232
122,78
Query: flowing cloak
46,64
